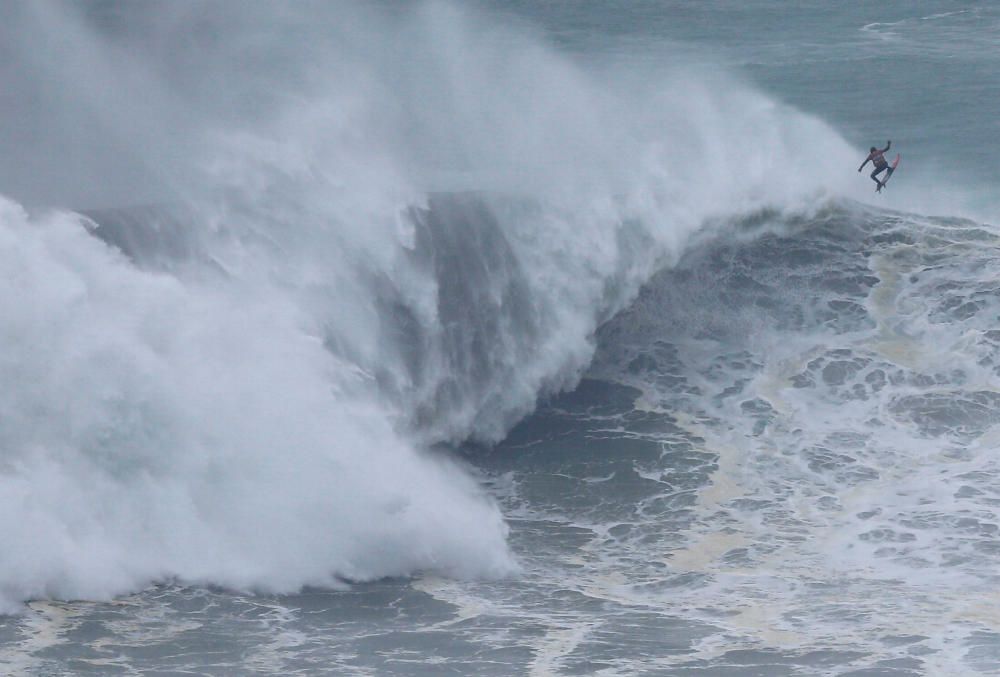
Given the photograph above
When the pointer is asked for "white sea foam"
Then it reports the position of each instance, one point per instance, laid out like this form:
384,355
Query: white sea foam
152,430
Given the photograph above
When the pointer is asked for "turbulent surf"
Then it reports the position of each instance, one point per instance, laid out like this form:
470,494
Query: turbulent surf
444,314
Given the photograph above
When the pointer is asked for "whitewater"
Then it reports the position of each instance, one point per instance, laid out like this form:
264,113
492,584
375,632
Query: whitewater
406,338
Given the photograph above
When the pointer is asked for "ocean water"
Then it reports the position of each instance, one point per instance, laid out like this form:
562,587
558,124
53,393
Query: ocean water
499,338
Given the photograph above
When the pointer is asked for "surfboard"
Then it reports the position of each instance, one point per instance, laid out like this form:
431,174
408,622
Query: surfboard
895,163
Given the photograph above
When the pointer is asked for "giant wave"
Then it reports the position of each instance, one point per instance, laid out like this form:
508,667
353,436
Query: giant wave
399,229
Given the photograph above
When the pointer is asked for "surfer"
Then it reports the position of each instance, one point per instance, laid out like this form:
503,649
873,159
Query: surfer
878,159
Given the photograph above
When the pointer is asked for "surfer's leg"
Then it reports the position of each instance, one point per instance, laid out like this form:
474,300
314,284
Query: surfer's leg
874,175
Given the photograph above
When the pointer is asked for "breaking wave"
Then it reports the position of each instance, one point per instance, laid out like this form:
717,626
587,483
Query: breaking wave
366,233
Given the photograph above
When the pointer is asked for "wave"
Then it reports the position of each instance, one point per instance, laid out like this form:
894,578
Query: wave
397,229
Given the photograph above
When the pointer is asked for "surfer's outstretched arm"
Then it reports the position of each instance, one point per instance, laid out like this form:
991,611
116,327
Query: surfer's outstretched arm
887,144
864,163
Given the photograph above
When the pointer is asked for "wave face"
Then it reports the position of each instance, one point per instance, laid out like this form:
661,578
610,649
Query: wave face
382,231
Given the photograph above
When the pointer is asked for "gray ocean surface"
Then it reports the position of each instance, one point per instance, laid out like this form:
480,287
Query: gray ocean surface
768,448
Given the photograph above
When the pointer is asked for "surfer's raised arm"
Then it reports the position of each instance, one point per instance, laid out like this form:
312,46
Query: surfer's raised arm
887,144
